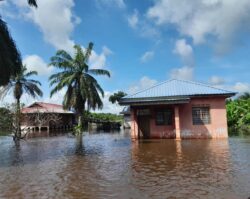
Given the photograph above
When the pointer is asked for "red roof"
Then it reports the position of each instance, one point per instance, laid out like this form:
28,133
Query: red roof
45,108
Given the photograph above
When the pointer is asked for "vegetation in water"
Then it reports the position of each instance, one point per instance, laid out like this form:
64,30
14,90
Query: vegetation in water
238,115
104,117
19,84
82,89
6,121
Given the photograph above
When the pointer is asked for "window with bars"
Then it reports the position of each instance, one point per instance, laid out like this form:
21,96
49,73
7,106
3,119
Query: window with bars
164,117
201,115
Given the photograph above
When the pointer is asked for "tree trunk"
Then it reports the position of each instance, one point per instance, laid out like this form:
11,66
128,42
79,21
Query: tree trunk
18,133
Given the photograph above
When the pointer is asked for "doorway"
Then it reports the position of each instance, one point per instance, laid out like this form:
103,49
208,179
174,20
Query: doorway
144,126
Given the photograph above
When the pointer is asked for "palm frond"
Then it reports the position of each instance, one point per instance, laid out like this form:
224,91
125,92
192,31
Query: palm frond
33,90
88,51
32,3
61,62
99,72
30,73
35,81
10,58
5,90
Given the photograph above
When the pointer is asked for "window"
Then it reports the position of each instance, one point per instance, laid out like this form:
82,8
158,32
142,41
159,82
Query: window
164,117
201,115
142,112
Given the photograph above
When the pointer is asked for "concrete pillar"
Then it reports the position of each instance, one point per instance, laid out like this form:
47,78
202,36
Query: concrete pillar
177,122
134,126
39,129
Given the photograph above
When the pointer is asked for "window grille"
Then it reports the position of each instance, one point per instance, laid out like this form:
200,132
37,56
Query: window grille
201,115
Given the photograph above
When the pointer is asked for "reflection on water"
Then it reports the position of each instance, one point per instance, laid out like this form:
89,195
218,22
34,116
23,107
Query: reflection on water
110,166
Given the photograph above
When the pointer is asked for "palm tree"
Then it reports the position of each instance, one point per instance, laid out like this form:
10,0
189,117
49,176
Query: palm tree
21,83
117,96
82,89
10,57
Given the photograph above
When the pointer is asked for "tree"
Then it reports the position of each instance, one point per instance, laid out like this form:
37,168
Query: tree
117,96
82,89
238,116
20,84
10,57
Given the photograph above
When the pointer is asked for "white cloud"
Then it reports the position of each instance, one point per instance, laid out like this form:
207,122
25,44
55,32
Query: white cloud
147,56
185,51
201,19
144,83
116,3
185,73
108,107
241,87
142,26
133,19
57,98
26,99
55,20
34,62
99,61
215,80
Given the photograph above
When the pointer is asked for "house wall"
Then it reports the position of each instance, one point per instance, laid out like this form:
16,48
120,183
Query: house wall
218,126
134,125
216,129
161,131
65,119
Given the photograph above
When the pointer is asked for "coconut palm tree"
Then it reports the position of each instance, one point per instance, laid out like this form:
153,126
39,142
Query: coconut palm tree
10,57
82,89
21,83
117,96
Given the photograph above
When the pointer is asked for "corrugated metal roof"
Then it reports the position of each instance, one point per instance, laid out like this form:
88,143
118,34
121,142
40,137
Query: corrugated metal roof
176,88
43,107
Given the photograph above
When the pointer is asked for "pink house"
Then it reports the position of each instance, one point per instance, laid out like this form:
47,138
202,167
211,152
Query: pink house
178,109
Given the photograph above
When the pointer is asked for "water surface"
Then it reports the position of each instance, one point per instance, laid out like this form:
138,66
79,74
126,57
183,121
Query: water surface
105,165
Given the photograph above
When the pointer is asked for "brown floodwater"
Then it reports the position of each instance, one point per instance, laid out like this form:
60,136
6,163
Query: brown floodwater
109,165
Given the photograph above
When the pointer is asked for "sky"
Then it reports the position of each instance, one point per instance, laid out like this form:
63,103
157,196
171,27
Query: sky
140,42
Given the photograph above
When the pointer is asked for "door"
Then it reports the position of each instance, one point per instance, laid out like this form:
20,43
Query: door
144,126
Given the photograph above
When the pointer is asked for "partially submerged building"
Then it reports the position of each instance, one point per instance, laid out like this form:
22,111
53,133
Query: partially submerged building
126,117
46,116
178,109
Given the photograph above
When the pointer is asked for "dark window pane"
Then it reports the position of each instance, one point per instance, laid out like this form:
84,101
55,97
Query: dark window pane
164,117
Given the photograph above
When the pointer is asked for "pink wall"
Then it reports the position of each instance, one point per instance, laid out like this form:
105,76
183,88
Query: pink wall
134,126
159,131
217,128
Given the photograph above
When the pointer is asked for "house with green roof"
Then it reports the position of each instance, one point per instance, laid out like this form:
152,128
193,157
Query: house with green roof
178,109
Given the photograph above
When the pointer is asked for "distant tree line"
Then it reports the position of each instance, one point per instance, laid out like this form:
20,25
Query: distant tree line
238,115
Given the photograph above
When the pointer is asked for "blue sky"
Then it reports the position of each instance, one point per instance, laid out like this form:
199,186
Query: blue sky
140,42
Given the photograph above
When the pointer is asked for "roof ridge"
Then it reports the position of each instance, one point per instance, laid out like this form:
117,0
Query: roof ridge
158,84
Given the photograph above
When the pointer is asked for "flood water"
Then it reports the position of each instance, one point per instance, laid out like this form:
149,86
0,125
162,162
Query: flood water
109,165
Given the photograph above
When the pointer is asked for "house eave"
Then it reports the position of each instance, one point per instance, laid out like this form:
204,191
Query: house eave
168,100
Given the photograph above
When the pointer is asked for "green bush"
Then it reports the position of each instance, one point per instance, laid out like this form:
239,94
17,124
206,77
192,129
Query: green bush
6,120
238,116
